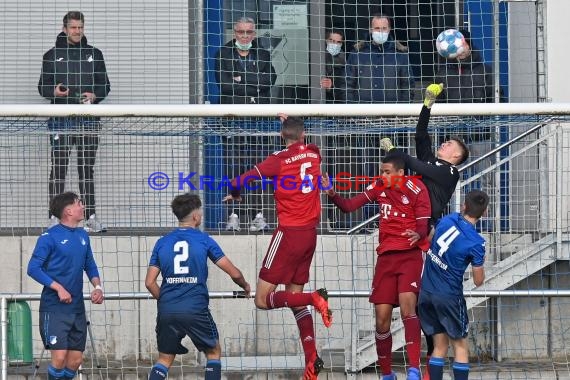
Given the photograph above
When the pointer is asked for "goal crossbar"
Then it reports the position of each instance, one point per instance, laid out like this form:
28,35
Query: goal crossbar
272,110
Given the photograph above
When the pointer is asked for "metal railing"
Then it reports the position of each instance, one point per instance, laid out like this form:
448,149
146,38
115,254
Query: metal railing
5,298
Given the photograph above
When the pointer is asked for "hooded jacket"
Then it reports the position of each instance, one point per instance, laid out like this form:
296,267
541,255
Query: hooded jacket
244,80
466,81
379,74
81,68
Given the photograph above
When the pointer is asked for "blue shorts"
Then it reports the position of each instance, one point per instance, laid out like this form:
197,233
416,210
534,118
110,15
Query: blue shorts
63,331
443,314
171,328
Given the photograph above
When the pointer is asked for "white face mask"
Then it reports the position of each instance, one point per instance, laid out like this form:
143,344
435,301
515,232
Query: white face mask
333,49
243,47
380,37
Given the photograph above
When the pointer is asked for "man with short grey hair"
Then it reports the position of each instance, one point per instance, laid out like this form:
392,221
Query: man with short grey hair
243,70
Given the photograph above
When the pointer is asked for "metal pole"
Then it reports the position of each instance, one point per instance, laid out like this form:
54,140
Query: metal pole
559,206
4,323
199,22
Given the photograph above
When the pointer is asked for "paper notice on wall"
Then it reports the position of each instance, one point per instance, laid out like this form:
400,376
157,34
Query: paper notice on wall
290,16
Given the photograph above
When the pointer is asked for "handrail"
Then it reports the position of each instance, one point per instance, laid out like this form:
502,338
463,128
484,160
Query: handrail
492,152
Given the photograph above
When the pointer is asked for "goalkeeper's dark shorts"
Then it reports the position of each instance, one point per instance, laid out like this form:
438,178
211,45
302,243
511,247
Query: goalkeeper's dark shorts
63,331
171,328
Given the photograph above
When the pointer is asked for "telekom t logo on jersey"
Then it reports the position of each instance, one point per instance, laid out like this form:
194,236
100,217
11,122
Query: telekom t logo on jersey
385,209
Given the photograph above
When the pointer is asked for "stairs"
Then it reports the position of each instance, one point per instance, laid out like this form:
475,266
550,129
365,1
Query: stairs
504,274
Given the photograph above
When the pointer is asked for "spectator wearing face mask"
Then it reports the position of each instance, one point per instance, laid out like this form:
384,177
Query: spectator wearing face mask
378,72
244,70
334,81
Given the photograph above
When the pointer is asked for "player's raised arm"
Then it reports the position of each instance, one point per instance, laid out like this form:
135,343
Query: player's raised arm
424,148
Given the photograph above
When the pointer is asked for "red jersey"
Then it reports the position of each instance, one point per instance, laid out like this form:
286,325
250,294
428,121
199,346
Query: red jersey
406,206
295,173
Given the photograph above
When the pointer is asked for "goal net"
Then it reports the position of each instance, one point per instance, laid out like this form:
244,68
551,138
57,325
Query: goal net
163,131
525,229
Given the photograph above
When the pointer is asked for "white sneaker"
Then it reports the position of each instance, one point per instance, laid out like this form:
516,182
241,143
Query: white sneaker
233,223
94,225
53,221
259,223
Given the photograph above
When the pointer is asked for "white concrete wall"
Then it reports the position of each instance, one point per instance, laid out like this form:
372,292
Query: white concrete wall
124,329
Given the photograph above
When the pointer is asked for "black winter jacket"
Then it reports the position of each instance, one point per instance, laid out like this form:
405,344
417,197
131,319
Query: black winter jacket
244,80
81,68
335,69
467,81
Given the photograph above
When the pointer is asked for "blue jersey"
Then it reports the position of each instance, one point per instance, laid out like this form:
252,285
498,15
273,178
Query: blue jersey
182,257
62,254
454,246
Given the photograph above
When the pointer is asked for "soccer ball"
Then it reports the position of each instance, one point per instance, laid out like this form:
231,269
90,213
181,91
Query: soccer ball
450,43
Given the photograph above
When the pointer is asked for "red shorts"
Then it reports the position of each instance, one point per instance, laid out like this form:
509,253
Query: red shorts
288,258
396,272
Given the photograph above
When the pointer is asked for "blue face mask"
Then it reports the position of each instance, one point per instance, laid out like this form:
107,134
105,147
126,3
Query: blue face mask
244,47
333,49
380,37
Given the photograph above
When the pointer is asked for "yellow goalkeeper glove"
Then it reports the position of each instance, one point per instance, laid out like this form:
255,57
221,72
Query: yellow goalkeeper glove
386,144
432,92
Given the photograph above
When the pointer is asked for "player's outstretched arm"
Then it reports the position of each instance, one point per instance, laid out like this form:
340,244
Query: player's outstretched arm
227,266
352,204
424,148
431,94
326,185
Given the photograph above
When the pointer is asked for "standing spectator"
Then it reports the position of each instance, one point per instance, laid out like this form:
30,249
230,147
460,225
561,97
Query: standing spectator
181,257
59,259
73,72
404,214
467,78
442,308
245,75
334,81
296,173
377,72
243,70
338,147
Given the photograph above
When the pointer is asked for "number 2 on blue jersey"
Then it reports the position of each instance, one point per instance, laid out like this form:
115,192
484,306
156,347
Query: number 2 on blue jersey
182,253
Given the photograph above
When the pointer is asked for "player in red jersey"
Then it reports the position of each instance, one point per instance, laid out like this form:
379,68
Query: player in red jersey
404,215
295,173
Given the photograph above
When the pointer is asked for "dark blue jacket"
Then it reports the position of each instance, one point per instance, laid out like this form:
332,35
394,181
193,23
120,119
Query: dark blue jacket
379,74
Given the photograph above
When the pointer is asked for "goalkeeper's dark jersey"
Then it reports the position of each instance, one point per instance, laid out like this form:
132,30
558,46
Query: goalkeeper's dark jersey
182,257
439,176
